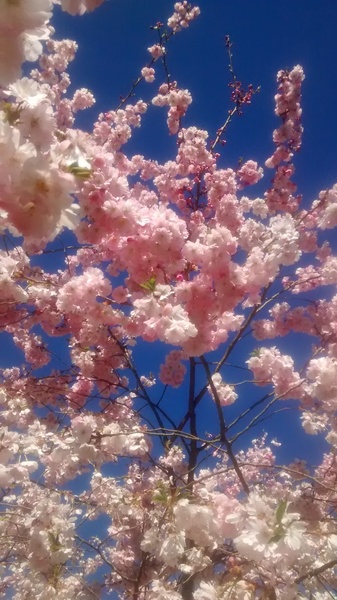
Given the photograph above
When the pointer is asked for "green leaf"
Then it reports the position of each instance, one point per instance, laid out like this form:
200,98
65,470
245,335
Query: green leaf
80,173
54,541
255,352
184,494
275,538
150,284
281,509
12,113
160,496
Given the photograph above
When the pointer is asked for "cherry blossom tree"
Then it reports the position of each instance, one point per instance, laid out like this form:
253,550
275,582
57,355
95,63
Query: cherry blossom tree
105,492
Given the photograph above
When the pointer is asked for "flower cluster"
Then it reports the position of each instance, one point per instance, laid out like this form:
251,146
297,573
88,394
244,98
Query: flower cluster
178,102
222,392
105,488
183,14
22,27
78,7
148,73
270,366
172,372
287,138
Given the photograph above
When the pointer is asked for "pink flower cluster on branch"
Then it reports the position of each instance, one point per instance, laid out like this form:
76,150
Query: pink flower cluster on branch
184,14
288,139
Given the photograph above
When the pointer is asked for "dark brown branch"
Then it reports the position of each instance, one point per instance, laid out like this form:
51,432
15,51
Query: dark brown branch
223,436
317,571
193,450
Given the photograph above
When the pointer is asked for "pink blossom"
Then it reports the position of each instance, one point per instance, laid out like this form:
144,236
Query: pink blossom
172,372
225,393
178,102
156,51
82,99
249,173
78,7
148,73
270,366
183,15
